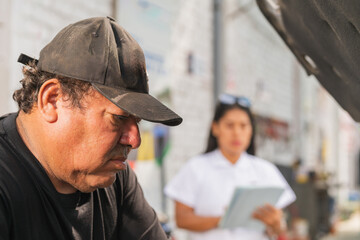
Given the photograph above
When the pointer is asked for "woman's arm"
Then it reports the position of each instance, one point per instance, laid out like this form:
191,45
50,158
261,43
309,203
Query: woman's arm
187,219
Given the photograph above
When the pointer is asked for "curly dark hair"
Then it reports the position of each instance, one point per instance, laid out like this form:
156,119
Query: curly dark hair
74,90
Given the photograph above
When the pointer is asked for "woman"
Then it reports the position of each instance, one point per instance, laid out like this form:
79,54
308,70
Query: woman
203,188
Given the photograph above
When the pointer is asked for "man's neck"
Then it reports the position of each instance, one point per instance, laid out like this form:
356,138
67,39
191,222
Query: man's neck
24,127
31,132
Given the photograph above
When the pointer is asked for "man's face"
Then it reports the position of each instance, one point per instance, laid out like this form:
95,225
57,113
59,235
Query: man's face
91,144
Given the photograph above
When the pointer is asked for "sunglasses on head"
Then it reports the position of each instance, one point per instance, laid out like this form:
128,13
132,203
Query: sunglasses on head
230,100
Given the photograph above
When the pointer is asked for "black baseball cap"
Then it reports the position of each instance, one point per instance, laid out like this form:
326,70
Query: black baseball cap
100,51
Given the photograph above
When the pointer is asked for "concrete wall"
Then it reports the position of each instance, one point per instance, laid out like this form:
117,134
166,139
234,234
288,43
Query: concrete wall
259,66
33,23
191,92
5,22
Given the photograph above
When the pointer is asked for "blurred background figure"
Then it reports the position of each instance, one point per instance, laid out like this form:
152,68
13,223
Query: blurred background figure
203,188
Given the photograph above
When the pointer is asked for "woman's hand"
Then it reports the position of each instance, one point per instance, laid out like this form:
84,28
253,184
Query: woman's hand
187,219
272,218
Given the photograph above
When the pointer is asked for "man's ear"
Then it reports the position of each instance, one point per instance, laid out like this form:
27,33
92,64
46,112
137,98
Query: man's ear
48,97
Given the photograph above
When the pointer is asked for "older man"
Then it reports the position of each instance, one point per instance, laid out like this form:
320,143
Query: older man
63,173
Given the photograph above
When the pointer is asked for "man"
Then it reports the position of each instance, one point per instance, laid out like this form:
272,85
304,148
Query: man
63,173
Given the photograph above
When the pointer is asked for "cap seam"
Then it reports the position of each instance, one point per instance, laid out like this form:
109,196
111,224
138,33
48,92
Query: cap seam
108,52
66,33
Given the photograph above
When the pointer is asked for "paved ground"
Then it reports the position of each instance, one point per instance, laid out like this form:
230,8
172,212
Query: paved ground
348,230
343,236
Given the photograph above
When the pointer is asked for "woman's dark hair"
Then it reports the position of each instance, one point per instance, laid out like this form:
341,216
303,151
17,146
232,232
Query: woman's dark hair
74,90
220,110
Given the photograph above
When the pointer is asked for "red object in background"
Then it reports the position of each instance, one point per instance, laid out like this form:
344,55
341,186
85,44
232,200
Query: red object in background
131,163
282,237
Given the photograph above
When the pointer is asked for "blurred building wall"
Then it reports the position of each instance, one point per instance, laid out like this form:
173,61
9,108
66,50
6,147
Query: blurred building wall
28,26
330,141
151,23
191,81
191,76
5,38
258,65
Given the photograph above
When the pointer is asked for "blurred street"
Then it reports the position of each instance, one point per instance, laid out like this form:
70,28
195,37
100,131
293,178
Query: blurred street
343,236
347,230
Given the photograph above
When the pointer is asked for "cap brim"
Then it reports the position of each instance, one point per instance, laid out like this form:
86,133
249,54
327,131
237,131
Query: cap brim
141,105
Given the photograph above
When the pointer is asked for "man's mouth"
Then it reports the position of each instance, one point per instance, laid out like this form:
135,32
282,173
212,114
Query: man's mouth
117,163
121,153
119,158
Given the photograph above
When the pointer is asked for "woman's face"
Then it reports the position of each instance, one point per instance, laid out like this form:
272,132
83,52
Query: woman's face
233,132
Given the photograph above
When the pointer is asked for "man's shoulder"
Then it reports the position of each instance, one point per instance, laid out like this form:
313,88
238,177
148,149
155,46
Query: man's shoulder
2,118
7,158
8,151
15,184
11,170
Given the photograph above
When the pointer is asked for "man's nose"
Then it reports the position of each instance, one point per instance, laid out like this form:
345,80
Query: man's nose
130,134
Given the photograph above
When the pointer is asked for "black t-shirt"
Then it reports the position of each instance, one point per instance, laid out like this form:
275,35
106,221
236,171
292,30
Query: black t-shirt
31,208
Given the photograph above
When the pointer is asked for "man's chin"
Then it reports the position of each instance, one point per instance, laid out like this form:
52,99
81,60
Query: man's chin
96,184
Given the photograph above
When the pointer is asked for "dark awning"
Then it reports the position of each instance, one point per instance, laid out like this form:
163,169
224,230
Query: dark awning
324,36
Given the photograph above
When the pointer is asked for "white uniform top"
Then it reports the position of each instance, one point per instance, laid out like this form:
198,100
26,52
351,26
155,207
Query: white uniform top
206,184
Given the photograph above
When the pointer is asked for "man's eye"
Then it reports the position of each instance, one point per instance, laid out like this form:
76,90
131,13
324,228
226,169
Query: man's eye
121,117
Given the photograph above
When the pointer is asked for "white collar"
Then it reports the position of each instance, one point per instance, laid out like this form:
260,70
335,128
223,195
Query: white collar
219,160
